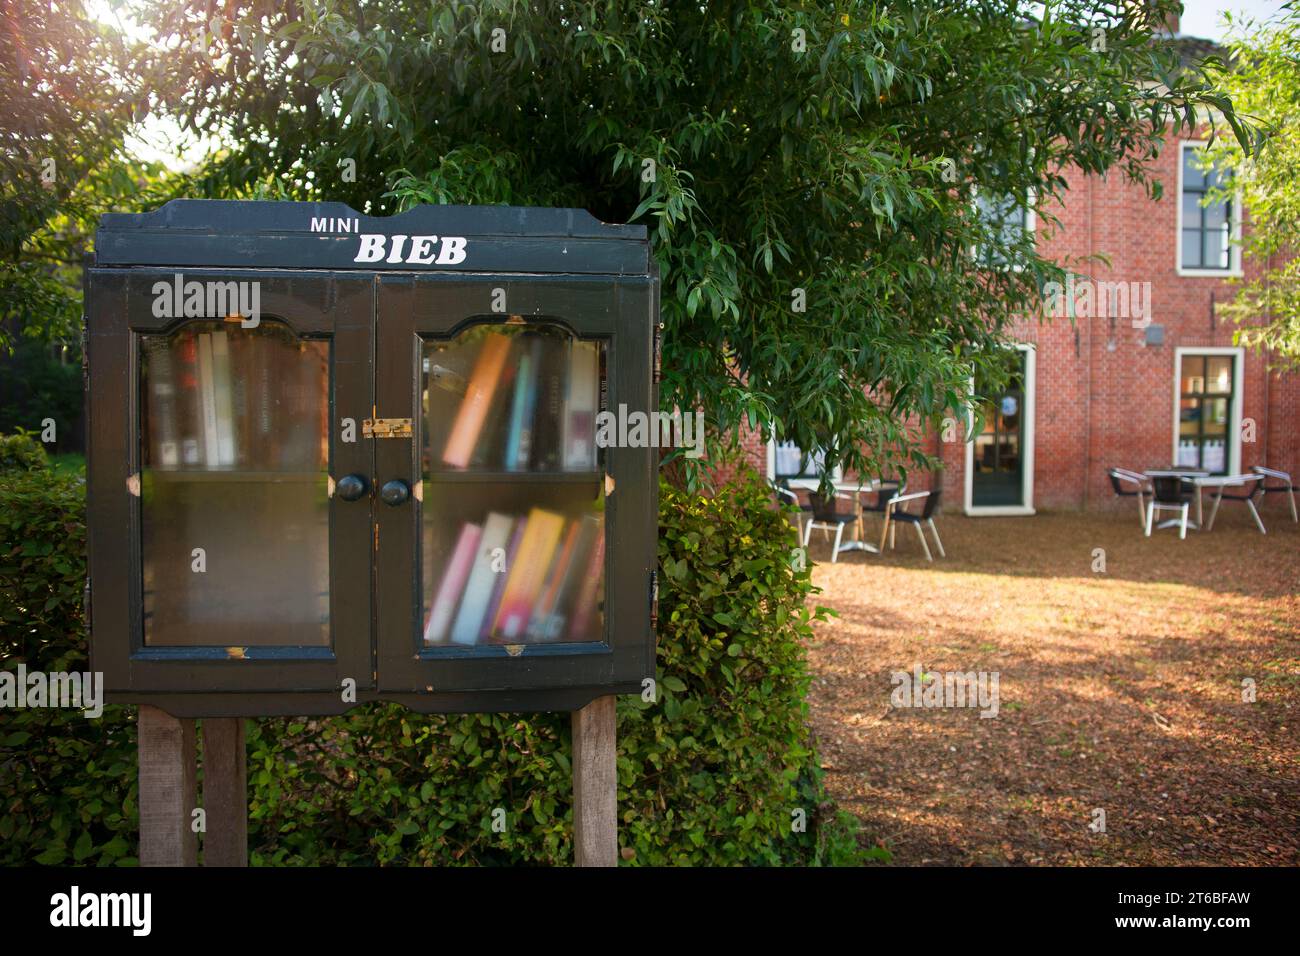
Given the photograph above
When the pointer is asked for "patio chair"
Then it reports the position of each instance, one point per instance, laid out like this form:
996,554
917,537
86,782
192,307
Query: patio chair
785,496
1285,488
827,516
1239,488
1130,484
894,514
1168,494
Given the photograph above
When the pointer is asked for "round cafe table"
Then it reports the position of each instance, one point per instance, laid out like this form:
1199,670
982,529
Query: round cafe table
856,489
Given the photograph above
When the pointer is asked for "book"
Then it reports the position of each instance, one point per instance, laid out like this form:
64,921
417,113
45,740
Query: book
580,404
588,595
519,439
224,399
452,585
189,408
536,549
163,405
478,397
494,604
490,449
482,577
547,434
575,577
208,403
544,606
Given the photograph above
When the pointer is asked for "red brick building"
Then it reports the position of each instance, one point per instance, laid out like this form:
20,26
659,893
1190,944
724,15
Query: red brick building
1143,383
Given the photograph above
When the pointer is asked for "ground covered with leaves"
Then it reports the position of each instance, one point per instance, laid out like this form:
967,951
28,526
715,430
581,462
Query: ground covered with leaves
1119,690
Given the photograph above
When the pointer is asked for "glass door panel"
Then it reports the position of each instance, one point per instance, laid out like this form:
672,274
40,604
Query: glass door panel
513,535
234,486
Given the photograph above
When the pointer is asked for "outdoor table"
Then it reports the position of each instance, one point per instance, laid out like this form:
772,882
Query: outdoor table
1189,475
857,489
1221,482
854,488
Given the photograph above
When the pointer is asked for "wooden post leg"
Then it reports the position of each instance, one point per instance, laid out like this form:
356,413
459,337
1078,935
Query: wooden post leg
166,755
595,785
225,792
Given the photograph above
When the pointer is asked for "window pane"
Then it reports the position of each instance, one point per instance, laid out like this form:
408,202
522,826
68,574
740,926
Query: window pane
1218,248
1192,376
1216,417
512,522
1189,417
1193,178
234,486
1192,210
1191,248
1218,375
1215,215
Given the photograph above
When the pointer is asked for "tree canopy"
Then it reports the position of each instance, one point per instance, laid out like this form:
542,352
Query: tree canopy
807,170
1263,79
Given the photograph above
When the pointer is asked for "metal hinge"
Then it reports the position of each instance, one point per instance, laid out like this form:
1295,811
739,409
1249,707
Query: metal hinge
85,355
386,428
654,600
85,603
659,349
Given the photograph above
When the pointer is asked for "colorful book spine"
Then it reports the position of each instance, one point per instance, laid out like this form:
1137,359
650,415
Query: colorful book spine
453,584
544,606
478,591
574,578
589,594
536,551
520,439
494,605
478,399
580,408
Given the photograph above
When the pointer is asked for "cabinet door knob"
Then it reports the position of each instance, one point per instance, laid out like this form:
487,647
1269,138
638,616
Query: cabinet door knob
352,487
395,492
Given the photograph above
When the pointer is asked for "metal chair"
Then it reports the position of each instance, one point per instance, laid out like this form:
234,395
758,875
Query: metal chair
827,516
786,496
1168,495
1252,485
1286,486
1130,484
894,514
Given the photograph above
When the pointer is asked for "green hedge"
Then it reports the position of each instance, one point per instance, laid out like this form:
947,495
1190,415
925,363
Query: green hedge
710,773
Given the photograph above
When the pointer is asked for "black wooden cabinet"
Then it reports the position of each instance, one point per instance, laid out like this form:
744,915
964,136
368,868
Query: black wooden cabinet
335,458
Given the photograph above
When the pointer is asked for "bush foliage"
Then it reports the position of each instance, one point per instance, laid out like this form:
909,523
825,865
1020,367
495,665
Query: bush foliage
712,772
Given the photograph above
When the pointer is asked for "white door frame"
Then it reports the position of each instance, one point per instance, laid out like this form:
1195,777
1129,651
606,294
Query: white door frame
1238,354
1026,445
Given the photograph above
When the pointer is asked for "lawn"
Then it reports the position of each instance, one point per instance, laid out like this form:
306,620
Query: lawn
1119,690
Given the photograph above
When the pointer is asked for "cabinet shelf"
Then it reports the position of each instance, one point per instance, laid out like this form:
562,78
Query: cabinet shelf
514,477
306,477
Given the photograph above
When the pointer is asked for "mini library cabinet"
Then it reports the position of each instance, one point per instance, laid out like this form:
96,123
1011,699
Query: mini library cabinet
336,458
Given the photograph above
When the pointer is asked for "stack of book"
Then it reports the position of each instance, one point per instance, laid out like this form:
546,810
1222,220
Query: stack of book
529,404
515,580
228,399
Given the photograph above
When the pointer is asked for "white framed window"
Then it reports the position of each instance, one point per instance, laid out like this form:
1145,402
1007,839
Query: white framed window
786,461
1207,408
1011,216
1208,236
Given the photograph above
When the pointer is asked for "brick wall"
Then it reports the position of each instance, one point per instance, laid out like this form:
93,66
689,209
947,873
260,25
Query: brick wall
1104,398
